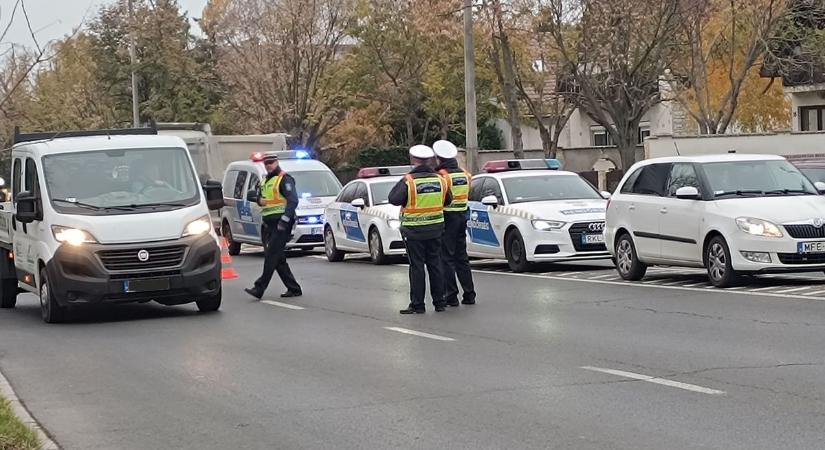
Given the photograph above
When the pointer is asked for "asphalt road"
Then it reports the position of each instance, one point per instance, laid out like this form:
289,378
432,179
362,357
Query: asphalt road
543,361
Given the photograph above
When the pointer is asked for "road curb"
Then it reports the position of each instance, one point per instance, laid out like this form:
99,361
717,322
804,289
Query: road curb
23,414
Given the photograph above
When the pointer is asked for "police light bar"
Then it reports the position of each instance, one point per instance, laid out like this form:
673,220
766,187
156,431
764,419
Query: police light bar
285,154
372,172
521,164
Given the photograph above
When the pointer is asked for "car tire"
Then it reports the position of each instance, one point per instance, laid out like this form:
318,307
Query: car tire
8,293
330,248
376,245
211,303
516,253
50,310
628,265
234,247
718,264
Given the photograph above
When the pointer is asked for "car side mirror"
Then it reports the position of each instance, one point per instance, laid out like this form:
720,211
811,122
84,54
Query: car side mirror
820,186
252,196
214,194
358,203
27,208
687,193
490,200
606,195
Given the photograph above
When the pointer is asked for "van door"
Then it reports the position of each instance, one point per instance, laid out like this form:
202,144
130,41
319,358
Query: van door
27,236
241,212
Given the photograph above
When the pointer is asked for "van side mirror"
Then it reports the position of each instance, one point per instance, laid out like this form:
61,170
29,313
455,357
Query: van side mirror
252,196
820,187
687,193
28,208
606,195
213,190
490,200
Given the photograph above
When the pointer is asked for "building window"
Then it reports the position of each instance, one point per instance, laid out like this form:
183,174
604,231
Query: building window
643,133
811,118
600,137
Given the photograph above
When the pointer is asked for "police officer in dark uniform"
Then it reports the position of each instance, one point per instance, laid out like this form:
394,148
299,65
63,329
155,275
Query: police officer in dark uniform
422,194
455,261
278,200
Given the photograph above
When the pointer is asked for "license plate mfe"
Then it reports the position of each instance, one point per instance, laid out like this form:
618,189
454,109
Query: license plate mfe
811,247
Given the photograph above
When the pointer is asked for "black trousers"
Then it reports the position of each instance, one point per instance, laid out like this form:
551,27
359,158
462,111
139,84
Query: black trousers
275,257
425,254
455,262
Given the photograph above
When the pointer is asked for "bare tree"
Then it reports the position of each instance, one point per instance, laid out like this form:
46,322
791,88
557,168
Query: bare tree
725,41
616,53
276,59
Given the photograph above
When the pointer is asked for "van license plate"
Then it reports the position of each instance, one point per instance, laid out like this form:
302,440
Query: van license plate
147,285
589,239
316,230
811,247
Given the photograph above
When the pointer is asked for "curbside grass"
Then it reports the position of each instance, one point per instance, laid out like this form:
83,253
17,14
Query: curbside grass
14,434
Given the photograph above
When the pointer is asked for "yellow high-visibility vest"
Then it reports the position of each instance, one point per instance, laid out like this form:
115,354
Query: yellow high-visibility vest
459,184
425,201
273,202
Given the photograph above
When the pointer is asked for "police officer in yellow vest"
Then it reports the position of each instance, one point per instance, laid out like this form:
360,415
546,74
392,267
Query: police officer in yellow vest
278,200
455,261
422,195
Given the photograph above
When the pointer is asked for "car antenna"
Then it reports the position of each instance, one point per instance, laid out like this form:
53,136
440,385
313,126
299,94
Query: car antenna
677,148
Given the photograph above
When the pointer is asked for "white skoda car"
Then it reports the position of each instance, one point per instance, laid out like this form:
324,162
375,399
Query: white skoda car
731,214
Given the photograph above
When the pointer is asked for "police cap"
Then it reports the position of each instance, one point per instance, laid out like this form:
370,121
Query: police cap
421,152
445,150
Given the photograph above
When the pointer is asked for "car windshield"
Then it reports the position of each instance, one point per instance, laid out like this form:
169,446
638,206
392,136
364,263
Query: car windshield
814,174
756,178
316,183
381,192
121,179
549,187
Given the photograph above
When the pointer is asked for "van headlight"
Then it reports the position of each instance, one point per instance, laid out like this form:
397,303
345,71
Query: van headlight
198,227
394,224
758,227
544,225
72,236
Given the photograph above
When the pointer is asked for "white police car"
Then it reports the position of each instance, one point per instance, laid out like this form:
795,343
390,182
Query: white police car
530,211
241,219
362,220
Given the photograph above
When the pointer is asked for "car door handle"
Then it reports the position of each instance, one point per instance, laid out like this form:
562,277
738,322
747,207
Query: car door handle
663,210
632,207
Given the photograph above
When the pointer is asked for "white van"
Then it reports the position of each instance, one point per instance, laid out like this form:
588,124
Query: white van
108,216
241,221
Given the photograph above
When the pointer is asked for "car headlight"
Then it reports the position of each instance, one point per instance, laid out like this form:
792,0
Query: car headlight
394,224
72,236
198,227
544,225
758,227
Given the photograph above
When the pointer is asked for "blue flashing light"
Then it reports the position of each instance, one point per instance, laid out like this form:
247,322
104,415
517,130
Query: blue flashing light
553,164
302,154
306,195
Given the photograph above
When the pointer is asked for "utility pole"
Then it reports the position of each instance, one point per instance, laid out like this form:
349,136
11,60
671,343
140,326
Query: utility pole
471,121
133,59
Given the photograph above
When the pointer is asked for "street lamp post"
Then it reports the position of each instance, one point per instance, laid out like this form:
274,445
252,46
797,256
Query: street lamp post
471,124
133,61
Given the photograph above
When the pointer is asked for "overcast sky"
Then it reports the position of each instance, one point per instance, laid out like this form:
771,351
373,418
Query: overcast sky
53,19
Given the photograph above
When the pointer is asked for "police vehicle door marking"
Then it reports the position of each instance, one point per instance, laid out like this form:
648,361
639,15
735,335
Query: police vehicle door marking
245,217
352,227
481,229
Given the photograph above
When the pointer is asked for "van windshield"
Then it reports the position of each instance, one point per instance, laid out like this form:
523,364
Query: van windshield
316,183
120,179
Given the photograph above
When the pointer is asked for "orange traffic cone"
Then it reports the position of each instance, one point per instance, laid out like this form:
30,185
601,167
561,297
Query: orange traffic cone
227,272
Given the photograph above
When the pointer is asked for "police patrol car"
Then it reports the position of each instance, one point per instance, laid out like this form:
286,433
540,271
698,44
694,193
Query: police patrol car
362,220
530,211
241,219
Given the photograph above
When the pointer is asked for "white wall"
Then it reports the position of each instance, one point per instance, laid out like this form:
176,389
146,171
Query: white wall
785,144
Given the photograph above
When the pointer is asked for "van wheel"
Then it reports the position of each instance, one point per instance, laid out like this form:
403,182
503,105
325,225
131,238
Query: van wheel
516,253
627,260
333,254
234,247
8,293
718,263
211,303
50,310
377,248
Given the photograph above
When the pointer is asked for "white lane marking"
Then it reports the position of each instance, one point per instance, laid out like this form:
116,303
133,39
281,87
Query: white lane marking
23,414
673,283
656,380
693,284
601,277
794,290
815,293
419,334
766,288
566,274
651,286
282,305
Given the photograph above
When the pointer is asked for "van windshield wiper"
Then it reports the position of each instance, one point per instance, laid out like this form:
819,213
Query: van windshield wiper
787,191
740,192
91,206
152,205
